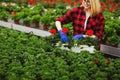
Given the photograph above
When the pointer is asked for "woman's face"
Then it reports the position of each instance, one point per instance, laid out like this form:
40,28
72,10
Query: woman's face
86,4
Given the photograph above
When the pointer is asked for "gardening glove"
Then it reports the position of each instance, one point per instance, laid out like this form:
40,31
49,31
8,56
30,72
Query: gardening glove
79,36
63,36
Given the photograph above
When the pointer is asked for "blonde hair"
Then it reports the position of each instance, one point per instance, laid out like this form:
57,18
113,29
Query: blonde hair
95,7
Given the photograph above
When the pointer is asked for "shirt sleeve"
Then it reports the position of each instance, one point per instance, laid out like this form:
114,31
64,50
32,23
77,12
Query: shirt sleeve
99,32
67,17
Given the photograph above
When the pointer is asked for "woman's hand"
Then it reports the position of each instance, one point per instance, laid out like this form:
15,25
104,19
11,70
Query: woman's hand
76,37
80,36
63,36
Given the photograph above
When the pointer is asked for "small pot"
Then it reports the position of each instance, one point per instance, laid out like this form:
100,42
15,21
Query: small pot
5,20
27,24
45,27
116,46
36,24
16,22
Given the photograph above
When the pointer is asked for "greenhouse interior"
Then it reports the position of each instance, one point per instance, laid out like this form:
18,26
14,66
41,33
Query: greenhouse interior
43,40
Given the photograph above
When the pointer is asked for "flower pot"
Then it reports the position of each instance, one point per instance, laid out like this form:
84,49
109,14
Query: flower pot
5,20
27,24
16,22
115,46
45,27
36,24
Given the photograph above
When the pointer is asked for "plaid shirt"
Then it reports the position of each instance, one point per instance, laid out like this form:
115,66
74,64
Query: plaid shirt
77,16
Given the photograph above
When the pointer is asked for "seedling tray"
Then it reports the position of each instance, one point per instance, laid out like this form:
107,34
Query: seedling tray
110,50
78,49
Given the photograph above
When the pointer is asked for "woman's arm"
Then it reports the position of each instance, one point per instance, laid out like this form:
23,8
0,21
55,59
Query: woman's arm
66,18
58,25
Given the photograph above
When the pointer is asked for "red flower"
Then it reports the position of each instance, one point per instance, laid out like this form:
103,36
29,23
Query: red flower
55,1
31,1
104,7
96,61
111,8
102,3
89,32
64,1
108,2
108,62
70,1
53,31
65,30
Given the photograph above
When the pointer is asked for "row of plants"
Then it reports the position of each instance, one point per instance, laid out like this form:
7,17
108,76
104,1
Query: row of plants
27,57
26,13
30,13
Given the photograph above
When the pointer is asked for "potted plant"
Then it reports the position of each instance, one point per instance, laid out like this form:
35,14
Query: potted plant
4,15
113,41
39,7
117,26
36,20
45,22
33,12
109,31
3,6
48,18
16,8
27,21
9,8
16,17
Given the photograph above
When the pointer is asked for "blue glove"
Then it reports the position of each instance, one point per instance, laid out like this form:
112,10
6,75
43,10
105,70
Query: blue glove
63,36
76,37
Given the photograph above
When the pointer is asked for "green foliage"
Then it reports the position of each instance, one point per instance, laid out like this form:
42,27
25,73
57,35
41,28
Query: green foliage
88,41
112,27
27,20
45,20
48,17
28,57
60,5
18,16
36,18
4,15
39,7
33,12
113,40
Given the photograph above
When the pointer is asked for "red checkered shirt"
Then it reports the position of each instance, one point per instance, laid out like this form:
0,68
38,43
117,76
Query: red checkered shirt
77,16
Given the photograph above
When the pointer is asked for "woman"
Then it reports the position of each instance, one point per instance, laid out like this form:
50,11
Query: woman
86,17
